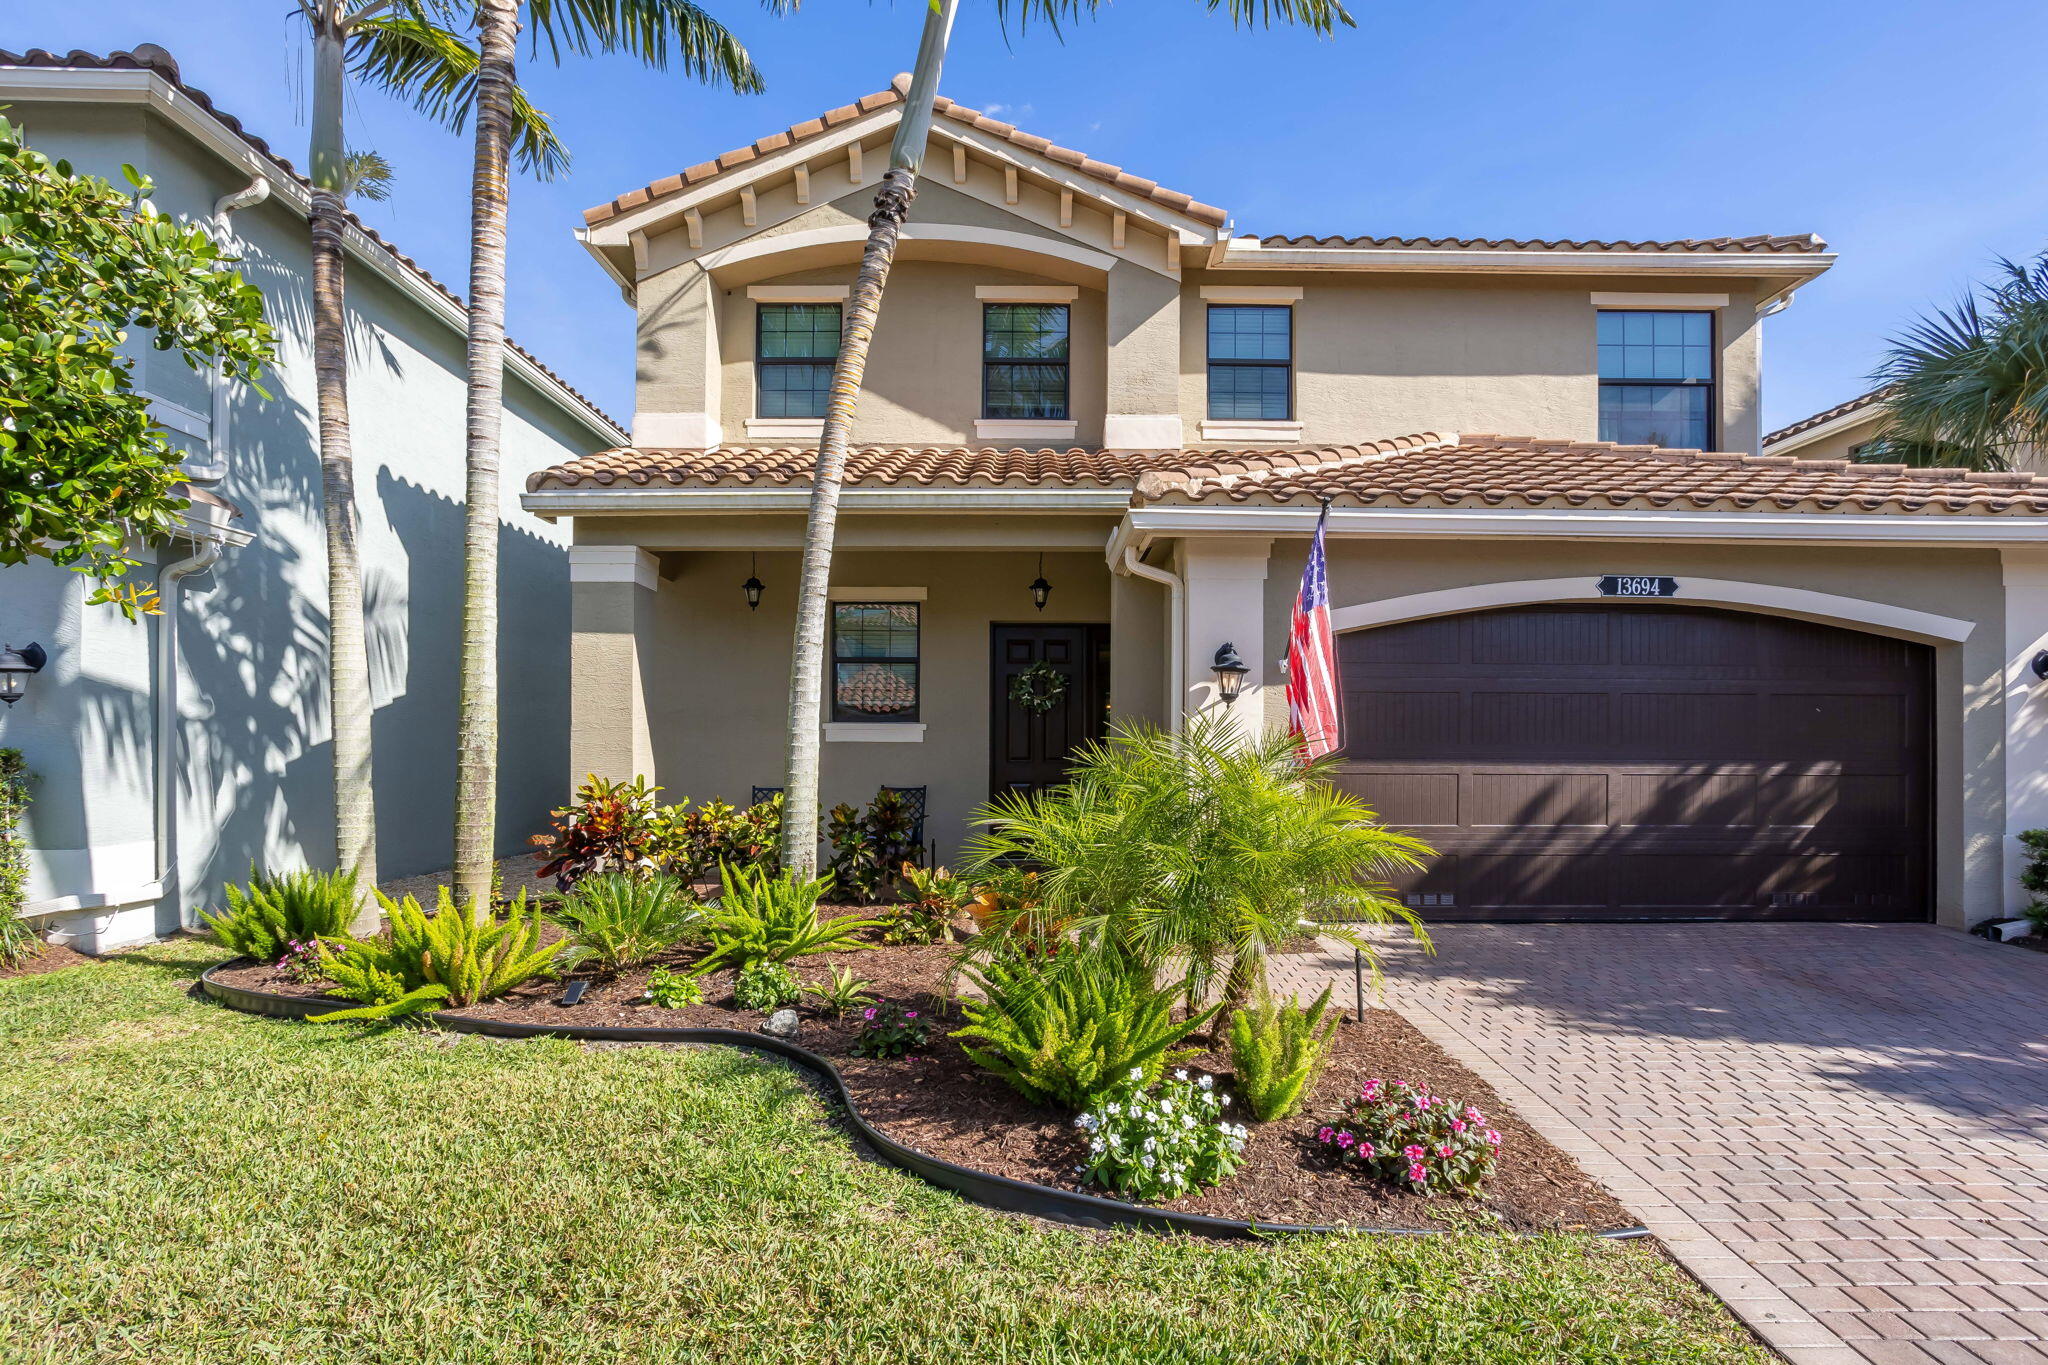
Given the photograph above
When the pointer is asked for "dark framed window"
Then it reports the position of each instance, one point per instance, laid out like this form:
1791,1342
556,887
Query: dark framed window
1657,378
794,347
1023,361
1251,362
874,661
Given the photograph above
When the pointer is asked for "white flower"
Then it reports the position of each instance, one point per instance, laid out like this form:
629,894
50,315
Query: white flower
1137,1073
1225,1101
1181,1074
1205,1082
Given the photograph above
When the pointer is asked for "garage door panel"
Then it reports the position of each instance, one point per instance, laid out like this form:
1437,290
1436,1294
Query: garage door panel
1644,760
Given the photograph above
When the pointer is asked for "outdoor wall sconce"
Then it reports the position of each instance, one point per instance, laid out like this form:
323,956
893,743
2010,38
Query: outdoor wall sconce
1040,589
1230,671
2040,665
16,665
753,587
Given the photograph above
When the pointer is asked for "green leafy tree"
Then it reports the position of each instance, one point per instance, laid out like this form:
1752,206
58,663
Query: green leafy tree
1969,386
84,472
863,307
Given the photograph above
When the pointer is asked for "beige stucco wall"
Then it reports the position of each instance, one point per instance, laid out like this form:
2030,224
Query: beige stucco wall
1835,445
1969,717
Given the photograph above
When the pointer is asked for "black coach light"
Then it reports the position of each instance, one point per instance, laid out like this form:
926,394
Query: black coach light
753,587
16,666
1040,589
2040,665
1230,671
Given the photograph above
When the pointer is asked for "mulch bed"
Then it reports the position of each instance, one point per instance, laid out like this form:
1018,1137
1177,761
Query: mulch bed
54,957
942,1104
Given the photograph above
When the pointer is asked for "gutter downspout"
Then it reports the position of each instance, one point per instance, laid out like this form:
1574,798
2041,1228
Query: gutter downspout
1176,708
251,194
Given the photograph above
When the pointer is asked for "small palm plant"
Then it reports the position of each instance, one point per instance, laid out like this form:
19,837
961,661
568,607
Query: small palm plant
278,910
617,920
1203,847
773,917
448,957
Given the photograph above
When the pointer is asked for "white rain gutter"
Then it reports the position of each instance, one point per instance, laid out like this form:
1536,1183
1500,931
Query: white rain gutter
1176,608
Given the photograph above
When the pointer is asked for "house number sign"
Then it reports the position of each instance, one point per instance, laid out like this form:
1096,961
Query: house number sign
1638,585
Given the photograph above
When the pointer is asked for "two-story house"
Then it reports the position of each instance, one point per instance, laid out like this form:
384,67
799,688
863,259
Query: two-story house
1606,672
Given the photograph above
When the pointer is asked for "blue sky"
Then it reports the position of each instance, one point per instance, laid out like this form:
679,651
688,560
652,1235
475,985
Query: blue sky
1908,134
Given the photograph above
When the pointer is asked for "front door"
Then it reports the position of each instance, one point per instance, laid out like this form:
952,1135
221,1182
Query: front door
1029,746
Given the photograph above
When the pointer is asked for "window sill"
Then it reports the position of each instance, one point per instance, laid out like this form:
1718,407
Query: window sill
1260,432
992,429
787,428
874,732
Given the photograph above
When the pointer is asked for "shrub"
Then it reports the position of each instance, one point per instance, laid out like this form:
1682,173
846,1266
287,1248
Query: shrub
843,992
763,917
1277,1051
693,843
18,942
1010,912
1066,1029
890,1031
766,985
935,897
618,921
278,910
450,957
674,990
2033,877
869,845
608,827
1201,846
1401,1132
1162,1144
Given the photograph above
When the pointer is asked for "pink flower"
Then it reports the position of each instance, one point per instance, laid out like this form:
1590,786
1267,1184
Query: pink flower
1414,1152
910,1014
1365,1151
1323,1134
1417,1174
1474,1114
867,1014
1371,1091
1457,1125
1492,1138
1444,1151
1345,1139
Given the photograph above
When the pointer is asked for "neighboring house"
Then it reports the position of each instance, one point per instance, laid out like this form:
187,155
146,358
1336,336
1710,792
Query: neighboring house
1824,709
1841,432
173,753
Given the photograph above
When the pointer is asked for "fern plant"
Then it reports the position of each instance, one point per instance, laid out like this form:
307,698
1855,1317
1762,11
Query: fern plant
1067,1029
616,920
449,957
764,917
1277,1051
280,910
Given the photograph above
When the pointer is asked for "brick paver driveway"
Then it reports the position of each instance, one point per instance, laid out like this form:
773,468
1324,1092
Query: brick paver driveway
1841,1129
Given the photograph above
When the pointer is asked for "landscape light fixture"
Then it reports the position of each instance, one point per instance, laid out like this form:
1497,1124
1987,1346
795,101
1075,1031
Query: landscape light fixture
1040,589
753,586
16,667
1230,671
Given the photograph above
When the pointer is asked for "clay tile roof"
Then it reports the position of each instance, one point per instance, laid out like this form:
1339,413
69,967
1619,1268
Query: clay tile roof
943,108
1423,471
1861,400
150,57
1805,244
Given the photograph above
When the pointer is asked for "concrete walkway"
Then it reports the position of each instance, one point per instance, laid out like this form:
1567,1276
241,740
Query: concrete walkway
1842,1130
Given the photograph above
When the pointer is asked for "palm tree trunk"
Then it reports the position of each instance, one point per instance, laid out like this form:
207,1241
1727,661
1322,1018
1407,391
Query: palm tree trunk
348,662
476,735
864,305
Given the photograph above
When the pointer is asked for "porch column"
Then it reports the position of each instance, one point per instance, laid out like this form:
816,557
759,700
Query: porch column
1144,361
2026,710
611,590
1226,604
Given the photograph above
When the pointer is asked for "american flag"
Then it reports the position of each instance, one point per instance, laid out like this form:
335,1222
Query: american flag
1312,655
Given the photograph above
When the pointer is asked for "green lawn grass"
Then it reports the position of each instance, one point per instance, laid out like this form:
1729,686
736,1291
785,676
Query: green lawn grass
180,1183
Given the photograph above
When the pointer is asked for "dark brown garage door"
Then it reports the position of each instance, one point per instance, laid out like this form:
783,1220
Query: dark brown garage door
1634,761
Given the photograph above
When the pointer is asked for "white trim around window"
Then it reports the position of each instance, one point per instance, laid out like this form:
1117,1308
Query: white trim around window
798,293
874,732
1026,293
786,428
1015,429
1660,301
1245,429
1251,293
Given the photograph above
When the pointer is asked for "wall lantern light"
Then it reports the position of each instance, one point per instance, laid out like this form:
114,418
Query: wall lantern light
2040,664
16,665
1040,589
1230,671
753,587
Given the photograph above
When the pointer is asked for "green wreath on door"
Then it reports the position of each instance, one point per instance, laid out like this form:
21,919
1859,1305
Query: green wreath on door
1038,688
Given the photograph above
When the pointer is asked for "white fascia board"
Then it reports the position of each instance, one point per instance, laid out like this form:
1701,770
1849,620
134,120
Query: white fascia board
1190,231
1814,528
74,86
1238,256
585,502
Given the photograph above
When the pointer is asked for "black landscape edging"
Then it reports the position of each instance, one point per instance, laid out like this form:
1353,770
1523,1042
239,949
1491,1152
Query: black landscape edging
983,1187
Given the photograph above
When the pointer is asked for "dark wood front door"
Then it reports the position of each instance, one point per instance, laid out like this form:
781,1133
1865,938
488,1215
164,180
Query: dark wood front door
1028,749
1633,761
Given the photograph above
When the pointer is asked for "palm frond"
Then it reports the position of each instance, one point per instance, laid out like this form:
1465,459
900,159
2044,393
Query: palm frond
434,68
1318,16
366,175
655,31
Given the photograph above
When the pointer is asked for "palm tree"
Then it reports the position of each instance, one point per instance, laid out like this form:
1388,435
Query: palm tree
1969,386
383,39
863,306
652,30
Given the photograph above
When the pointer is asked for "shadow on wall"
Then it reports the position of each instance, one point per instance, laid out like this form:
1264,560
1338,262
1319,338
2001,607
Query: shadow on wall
415,648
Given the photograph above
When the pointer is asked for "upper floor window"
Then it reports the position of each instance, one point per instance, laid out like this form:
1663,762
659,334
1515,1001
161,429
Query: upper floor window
794,347
1657,378
1023,361
1251,362
874,661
